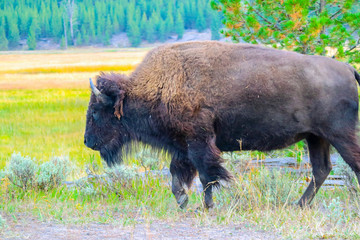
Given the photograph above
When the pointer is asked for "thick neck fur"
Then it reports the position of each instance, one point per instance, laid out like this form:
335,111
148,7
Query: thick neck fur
145,127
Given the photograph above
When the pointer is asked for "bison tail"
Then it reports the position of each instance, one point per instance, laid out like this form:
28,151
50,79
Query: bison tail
357,76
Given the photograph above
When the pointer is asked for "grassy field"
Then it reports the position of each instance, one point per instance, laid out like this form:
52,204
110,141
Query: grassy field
44,97
43,102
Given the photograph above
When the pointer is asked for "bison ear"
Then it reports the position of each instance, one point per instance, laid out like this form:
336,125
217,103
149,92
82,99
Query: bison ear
119,102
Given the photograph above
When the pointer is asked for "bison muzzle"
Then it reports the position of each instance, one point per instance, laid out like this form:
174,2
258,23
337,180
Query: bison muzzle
197,99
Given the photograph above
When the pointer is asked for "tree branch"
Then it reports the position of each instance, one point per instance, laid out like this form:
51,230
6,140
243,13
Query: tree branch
336,13
355,46
266,20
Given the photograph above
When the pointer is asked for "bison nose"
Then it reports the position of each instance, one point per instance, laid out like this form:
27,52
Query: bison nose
89,142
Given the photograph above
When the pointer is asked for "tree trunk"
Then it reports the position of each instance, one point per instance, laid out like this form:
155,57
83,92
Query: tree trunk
71,14
322,7
65,35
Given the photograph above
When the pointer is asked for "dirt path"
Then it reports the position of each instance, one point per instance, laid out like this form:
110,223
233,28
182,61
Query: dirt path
186,229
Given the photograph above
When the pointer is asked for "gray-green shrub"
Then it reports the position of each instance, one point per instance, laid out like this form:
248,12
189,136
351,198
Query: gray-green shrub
52,173
21,171
148,159
120,173
2,222
115,179
343,169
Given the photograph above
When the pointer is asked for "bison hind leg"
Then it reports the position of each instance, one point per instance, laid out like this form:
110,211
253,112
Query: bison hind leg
349,150
321,166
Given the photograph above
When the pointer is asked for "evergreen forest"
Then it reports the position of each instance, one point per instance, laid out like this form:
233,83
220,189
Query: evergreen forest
87,22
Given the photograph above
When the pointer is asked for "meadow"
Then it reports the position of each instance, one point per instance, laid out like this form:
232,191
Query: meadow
43,102
43,99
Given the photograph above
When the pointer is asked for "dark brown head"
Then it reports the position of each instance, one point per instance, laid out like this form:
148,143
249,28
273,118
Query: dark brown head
104,129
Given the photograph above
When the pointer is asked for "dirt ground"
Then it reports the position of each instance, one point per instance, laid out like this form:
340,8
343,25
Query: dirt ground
30,228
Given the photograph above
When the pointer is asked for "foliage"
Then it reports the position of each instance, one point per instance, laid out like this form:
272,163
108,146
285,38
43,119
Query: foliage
24,173
63,43
306,26
116,180
3,40
148,159
215,26
134,34
336,213
13,30
52,173
344,170
149,197
121,173
31,40
88,22
179,25
21,171
2,222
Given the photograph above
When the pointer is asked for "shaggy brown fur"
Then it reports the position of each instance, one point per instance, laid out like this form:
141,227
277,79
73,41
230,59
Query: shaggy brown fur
196,99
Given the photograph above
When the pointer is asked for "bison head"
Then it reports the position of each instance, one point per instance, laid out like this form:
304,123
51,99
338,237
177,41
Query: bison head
105,131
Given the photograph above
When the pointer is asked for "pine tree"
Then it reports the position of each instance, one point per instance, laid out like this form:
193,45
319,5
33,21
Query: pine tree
143,26
3,40
36,25
44,16
130,15
215,26
79,39
150,31
24,21
92,32
179,25
162,31
85,35
156,21
63,44
56,24
108,32
134,34
190,14
169,22
14,35
31,39
116,25
200,20
121,18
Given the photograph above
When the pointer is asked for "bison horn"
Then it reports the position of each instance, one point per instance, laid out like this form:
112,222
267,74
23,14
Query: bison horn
94,89
100,96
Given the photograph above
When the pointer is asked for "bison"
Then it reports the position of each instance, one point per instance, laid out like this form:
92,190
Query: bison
197,99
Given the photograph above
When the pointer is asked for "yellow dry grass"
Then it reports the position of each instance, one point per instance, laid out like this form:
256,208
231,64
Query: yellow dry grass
68,69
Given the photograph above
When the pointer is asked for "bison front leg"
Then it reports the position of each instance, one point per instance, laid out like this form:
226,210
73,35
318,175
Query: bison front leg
183,173
206,158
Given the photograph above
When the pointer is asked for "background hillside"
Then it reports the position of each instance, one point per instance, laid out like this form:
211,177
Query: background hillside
25,23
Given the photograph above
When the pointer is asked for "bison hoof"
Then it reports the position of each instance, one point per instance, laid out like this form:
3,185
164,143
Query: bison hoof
209,205
183,201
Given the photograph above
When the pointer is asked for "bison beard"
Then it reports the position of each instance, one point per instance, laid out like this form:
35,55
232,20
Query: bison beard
197,99
111,155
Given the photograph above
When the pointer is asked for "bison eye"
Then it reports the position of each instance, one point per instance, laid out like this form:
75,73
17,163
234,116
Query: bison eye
95,115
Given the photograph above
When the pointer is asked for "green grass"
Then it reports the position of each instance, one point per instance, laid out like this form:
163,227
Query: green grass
258,199
44,123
